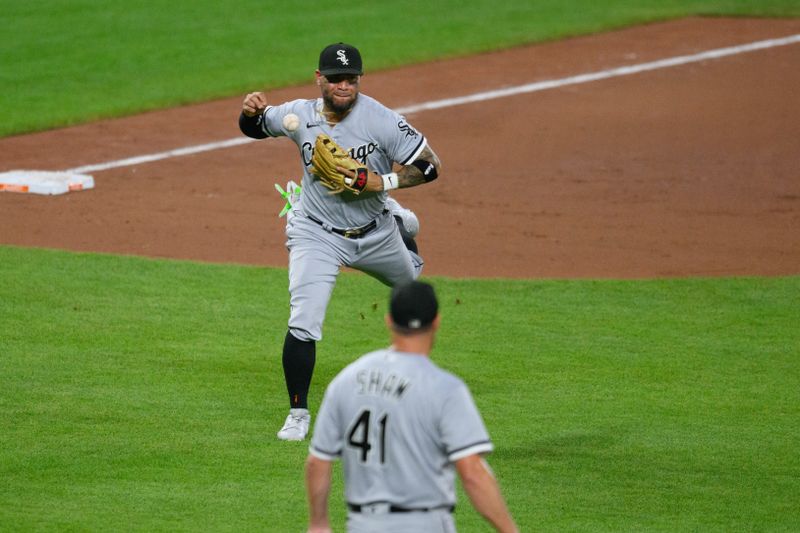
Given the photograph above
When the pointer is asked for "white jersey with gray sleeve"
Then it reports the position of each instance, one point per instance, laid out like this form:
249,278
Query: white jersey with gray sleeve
372,133
399,423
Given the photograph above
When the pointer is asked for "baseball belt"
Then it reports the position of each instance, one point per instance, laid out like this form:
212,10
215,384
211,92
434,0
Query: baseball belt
385,507
354,233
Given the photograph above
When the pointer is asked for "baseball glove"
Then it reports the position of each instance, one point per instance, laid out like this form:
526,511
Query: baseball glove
327,156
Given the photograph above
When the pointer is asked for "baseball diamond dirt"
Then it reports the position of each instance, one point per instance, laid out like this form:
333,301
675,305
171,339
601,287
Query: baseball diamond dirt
692,170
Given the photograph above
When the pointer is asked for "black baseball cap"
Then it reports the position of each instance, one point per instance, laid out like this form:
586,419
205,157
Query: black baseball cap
413,305
340,58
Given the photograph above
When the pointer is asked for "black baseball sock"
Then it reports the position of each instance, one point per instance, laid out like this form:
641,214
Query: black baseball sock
298,367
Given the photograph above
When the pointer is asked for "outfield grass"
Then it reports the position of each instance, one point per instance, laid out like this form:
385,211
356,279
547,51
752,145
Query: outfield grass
141,394
70,62
144,395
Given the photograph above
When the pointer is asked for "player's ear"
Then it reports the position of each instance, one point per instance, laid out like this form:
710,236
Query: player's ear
318,75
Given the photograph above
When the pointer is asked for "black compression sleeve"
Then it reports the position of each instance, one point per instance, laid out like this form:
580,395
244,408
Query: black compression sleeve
251,126
299,358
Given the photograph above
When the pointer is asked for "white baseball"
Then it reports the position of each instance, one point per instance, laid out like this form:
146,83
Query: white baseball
291,122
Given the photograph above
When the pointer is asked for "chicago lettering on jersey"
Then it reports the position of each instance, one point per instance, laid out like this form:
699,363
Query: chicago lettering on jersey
374,383
360,153
307,152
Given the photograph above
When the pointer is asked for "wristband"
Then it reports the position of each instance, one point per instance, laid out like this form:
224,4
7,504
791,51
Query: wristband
428,169
390,181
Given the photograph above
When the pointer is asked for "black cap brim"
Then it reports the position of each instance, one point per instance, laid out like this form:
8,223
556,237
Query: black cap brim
333,71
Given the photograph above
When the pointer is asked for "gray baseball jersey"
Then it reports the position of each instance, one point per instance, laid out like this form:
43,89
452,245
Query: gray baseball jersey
398,422
372,133
377,136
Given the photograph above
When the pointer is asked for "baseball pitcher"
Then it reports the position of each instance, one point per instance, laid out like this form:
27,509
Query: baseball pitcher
402,427
353,150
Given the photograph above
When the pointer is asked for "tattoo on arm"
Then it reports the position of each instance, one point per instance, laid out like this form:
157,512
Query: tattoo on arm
411,176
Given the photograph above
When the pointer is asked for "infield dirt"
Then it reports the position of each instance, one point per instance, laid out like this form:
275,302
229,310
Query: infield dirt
685,171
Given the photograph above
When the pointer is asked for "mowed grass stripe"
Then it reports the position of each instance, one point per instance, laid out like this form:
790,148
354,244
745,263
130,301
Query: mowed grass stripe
65,63
144,394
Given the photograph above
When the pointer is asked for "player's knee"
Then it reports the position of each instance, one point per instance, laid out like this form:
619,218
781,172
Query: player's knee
305,335
408,239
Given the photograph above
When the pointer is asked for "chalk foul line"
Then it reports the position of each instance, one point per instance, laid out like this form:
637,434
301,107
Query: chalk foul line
477,97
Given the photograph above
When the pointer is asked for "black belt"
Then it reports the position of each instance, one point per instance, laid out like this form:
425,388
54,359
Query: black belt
355,233
395,509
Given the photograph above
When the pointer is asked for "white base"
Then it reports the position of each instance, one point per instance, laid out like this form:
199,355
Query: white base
44,182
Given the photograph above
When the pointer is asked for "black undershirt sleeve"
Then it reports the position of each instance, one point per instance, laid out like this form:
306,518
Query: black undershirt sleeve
251,126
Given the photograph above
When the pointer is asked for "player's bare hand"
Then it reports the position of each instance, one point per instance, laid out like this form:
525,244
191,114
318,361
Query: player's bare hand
254,104
374,181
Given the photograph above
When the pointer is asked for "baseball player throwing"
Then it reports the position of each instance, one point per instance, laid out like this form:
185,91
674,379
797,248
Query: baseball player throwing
353,150
402,427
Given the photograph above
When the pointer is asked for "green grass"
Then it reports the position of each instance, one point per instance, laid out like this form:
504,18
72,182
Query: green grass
144,395
67,62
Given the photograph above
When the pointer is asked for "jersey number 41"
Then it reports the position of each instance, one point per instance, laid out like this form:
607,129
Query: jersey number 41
362,438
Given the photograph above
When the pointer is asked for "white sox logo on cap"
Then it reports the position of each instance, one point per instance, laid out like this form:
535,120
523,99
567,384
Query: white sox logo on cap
340,58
